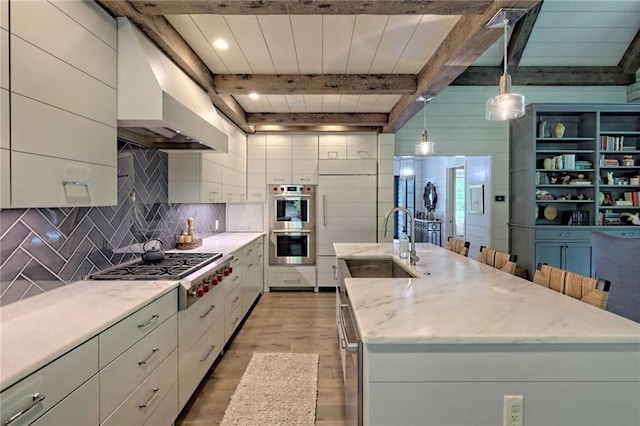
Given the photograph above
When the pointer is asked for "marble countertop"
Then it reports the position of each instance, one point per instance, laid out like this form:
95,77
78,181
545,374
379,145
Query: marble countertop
458,300
39,329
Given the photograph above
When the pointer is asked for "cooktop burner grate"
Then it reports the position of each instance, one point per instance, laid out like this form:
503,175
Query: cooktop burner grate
174,266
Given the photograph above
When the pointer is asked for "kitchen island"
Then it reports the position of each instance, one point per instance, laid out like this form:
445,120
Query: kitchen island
445,348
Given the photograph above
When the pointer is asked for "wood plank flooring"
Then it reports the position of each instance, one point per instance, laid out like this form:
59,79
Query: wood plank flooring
301,322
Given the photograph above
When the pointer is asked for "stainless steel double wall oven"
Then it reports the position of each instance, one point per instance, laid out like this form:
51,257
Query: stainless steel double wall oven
292,224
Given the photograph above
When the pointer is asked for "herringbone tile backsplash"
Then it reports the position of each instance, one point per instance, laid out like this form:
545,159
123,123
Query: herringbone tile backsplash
45,248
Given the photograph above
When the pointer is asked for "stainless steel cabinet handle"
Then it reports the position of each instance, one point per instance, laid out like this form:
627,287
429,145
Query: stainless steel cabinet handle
148,323
335,272
76,182
324,210
211,308
292,281
235,321
236,299
144,361
566,234
146,404
291,231
208,353
35,399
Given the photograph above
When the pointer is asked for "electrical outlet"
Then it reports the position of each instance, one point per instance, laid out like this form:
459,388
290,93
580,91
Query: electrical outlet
512,412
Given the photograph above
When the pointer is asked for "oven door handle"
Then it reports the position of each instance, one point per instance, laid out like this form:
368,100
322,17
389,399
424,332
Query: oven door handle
291,197
291,231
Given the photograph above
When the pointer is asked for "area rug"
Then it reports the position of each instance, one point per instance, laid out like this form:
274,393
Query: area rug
275,389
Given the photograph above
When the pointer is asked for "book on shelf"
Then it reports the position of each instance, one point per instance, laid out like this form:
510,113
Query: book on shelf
611,143
579,218
631,196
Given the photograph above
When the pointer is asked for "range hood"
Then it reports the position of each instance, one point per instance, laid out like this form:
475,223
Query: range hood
158,102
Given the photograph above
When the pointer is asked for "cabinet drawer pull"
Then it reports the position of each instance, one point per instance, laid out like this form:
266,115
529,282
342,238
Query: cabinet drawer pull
235,321
235,278
211,308
148,323
76,182
144,361
235,300
146,404
208,353
35,399
292,281
566,234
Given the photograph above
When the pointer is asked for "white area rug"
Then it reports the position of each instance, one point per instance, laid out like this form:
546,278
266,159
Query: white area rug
275,389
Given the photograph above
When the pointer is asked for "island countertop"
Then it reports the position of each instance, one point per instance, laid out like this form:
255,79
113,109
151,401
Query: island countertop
459,300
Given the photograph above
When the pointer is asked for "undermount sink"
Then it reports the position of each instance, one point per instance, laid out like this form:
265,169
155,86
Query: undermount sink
377,268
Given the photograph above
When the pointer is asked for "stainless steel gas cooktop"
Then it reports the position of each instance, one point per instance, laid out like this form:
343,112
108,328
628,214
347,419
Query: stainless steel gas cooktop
174,266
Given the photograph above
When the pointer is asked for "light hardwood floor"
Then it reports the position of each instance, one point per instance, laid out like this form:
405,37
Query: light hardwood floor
280,322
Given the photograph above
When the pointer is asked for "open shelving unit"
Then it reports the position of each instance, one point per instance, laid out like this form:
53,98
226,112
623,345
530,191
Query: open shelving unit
564,185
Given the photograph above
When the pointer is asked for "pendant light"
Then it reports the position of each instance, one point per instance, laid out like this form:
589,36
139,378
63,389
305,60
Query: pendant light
505,105
425,147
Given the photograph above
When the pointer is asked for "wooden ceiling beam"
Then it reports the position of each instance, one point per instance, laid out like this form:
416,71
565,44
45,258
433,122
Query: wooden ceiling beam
630,61
520,37
162,33
316,128
312,7
547,76
320,118
315,84
466,41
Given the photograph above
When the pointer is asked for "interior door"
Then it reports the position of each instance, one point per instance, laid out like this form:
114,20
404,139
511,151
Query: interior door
456,199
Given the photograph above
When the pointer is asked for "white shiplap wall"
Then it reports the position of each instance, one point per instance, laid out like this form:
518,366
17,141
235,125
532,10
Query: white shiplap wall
456,122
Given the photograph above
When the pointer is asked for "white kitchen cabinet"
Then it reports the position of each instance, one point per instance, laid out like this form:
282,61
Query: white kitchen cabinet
291,159
80,408
232,310
121,336
63,91
197,361
291,277
148,396
347,146
256,168
208,177
252,273
129,370
195,178
234,170
52,383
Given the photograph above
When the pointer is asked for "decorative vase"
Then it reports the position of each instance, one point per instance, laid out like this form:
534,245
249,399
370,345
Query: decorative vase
558,130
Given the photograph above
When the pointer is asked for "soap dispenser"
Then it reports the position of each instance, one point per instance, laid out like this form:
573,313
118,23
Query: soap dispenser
404,244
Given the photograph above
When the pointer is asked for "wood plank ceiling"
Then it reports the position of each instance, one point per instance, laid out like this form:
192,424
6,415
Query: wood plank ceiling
355,65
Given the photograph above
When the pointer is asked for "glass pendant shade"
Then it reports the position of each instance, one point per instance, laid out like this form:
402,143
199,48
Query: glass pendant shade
425,147
505,105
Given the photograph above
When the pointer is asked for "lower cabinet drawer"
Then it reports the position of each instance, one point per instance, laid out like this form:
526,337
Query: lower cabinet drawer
147,397
36,394
625,233
197,361
120,377
291,278
121,336
232,322
565,235
232,300
81,408
167,412
195,321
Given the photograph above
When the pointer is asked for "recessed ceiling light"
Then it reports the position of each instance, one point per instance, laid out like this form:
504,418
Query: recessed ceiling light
254,95
220,44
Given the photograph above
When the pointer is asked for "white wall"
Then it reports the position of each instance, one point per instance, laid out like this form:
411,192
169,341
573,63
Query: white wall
456,122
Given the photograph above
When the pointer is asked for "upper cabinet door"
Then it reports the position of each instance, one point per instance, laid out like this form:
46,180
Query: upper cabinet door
62,96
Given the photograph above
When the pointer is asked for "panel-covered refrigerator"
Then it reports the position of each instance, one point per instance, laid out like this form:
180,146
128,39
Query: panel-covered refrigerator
346,209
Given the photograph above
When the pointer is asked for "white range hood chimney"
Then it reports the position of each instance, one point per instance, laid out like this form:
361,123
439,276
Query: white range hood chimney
156,95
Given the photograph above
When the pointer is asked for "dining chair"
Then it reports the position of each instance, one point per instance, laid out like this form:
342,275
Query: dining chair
616,260
550,277
458,246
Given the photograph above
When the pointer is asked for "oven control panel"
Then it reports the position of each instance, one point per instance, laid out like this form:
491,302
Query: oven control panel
293,189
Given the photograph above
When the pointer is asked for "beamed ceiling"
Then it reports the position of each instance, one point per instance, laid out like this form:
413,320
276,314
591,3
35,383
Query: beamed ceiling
355,65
